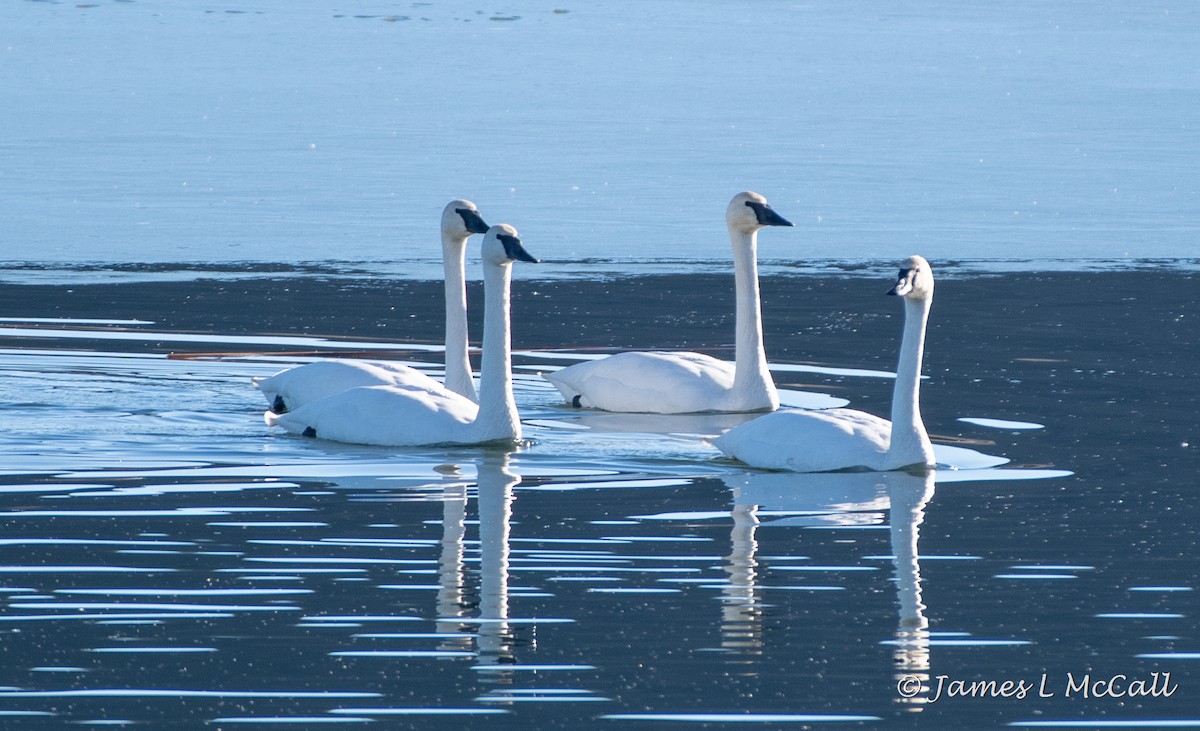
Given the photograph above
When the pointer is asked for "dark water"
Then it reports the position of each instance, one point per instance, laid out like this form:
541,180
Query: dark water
168,562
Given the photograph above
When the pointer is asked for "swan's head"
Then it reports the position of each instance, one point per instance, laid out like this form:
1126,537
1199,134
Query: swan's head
502,246
748,212
915,281
460,219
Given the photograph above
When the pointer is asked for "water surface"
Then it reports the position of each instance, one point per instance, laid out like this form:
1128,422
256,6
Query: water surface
154,131
167,559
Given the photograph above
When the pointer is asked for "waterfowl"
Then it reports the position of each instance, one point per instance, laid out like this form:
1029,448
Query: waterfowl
848,439
397,416
297,386
682,382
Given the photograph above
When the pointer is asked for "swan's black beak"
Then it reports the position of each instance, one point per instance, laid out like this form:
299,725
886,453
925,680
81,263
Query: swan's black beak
903,283
514,250
766,215
472,220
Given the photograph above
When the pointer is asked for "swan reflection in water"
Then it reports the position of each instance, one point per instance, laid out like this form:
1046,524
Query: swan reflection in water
467,617
495,499
844,498
452,601
741,606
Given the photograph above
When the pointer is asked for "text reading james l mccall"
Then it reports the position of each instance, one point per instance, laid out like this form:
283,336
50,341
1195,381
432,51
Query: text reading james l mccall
1070,685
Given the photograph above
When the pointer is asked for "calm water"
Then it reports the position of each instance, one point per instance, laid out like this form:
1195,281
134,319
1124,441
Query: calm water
167,560
157,130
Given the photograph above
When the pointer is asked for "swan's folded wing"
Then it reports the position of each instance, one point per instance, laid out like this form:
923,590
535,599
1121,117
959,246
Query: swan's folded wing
319,379
652,382
810,441
383,415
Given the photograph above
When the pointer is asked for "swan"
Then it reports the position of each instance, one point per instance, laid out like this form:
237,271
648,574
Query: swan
397,416
297,386
684,383
842,439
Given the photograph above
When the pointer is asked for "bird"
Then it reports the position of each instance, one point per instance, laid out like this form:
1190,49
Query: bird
684,382
848,439
294,387
399,416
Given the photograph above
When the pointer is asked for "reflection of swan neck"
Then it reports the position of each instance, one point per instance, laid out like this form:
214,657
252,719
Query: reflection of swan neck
743,545
450,598
909,441
751,375
907,513
497,417
495,498
741,614
495,513
458,363
908,499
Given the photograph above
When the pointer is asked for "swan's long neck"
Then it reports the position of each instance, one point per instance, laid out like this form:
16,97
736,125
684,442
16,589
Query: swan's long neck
910,443
752,383
497,418
458,362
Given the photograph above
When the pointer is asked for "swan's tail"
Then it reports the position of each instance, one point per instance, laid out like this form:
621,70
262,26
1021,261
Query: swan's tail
271,418
257,380
569,394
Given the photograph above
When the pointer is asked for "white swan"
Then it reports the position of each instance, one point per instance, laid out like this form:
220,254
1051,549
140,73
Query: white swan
839,439
297,386
684,383
395,416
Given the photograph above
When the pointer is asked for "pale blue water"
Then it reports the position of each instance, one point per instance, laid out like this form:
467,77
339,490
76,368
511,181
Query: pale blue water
157,131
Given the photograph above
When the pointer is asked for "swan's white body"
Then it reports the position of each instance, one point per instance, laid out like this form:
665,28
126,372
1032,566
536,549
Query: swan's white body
656,382
685,383
843,439
294,387
297,386
395,416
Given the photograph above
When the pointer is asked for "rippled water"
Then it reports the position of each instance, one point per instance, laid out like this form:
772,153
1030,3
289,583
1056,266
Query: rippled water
166,560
